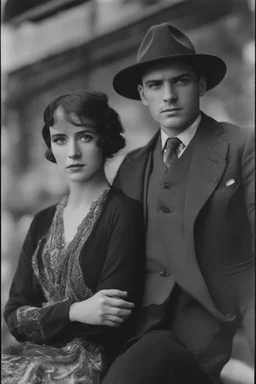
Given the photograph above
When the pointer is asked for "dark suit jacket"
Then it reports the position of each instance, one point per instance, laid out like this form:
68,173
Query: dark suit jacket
218,225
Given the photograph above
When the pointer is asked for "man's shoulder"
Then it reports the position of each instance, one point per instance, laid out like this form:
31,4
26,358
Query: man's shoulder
140,151
233,133
120,205
236,130
118,198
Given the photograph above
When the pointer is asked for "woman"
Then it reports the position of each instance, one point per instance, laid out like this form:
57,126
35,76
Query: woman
78,277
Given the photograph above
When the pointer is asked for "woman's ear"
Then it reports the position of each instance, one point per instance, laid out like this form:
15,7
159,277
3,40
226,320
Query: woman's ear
142,94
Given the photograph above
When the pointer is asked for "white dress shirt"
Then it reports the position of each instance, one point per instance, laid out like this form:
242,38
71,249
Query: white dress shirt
185,136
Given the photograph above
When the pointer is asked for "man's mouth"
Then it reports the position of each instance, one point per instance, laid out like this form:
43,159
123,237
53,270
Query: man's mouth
170,110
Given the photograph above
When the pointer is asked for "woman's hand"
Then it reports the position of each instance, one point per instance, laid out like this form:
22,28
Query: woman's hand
106,307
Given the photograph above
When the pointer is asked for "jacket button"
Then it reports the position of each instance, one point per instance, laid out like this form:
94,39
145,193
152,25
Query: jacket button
165,185
204,360
163,209
164,273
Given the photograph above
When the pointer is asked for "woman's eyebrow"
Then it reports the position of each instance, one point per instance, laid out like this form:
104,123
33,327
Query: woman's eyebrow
57,134
87,130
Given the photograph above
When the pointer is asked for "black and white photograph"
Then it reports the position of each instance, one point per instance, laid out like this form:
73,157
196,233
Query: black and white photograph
128,191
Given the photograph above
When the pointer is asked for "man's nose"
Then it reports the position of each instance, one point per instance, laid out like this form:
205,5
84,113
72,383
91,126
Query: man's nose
73,150
169,92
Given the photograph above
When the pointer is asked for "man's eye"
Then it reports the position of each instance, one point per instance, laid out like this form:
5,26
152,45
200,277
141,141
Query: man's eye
183,81
154,85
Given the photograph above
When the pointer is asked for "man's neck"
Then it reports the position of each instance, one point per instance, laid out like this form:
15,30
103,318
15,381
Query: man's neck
185,135
173,132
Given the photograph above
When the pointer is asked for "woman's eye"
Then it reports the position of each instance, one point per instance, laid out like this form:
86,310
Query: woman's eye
59,141
86,138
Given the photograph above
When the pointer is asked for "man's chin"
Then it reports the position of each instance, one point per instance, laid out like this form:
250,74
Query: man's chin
174,124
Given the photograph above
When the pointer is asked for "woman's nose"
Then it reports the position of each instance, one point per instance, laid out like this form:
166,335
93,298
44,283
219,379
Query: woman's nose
73,150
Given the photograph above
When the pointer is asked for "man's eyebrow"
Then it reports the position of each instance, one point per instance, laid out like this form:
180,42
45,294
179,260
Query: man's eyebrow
185,74
160,79
153,80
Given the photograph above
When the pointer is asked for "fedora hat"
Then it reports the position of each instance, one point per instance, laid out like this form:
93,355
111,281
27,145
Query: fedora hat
163,43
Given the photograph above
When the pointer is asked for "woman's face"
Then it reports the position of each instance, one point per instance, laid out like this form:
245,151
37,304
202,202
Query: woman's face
77,155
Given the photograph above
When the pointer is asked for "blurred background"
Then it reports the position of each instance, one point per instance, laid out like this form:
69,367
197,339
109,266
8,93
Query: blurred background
51,47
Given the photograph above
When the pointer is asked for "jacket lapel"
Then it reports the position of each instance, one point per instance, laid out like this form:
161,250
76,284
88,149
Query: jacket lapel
207,166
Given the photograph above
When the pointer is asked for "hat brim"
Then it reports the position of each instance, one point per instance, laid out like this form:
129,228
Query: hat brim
126,81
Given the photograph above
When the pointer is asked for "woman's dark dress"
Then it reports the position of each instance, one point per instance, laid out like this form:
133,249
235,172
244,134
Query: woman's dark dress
106,252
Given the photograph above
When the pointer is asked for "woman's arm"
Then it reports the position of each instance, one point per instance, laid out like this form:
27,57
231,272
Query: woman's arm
26,318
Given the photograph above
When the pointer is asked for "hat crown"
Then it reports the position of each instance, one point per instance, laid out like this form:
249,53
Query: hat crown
164,40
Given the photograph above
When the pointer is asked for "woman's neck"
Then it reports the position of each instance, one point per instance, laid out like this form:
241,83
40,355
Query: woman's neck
83,194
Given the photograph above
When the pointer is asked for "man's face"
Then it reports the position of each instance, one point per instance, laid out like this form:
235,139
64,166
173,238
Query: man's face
172,91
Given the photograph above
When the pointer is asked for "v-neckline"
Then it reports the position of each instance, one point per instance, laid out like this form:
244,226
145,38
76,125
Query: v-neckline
65,245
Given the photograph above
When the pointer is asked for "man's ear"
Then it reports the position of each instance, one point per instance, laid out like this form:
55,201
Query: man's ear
142,94
202,85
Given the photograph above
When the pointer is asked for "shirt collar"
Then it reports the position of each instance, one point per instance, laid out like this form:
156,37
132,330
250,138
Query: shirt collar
185,136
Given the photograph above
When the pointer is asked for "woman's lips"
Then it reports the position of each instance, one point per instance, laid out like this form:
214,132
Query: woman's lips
75,165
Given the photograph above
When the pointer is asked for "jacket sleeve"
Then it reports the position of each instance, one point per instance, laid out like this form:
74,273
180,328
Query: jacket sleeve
26,315
124,264
247,288
248,178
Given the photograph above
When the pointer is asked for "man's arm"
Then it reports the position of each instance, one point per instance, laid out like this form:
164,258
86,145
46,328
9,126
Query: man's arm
247,289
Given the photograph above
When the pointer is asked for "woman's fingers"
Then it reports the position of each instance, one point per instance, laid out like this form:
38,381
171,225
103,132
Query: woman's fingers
120,303
110,323
114,292
115,319
121,312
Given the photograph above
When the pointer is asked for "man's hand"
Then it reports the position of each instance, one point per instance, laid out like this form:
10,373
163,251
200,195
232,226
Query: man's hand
106,307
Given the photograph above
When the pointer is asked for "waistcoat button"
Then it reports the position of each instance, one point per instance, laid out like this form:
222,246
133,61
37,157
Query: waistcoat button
165,185
163,209
164,273
204,360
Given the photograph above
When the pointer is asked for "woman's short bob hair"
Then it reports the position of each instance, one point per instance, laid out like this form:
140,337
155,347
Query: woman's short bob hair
91,109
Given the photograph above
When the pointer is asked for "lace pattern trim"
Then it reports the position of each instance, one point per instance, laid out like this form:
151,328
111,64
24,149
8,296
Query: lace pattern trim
29,321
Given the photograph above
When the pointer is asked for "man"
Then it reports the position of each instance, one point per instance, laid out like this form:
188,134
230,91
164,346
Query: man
195,181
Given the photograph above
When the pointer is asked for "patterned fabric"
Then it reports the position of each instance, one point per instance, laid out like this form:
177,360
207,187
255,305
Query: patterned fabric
76,362
58,270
